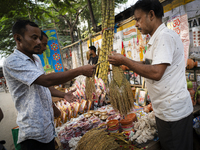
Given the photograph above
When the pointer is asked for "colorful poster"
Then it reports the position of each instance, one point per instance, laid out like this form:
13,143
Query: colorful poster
51,58
176,25
180,25
129,39
184,35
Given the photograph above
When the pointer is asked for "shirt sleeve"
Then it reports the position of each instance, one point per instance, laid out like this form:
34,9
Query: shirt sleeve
164,50
24,71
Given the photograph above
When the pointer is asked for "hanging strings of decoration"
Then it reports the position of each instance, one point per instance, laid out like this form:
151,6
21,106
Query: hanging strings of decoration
108,20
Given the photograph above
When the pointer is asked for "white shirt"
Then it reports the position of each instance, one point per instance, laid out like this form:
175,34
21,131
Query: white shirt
170,98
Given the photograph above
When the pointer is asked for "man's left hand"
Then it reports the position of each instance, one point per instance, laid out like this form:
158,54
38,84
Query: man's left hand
70,97
116,59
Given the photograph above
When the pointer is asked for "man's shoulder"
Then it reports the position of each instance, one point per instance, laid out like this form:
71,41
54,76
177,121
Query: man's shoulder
13,60
168,32
12,57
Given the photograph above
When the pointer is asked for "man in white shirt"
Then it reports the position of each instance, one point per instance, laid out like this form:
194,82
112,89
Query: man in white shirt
164,70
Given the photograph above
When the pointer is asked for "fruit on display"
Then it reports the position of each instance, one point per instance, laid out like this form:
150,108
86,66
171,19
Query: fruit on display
191,64
197,95
191,91
189,84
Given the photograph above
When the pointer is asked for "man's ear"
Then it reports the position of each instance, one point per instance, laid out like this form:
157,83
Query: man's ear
151,15
17,38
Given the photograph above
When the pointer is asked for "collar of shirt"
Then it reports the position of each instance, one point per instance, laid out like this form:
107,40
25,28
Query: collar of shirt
23,56
156,33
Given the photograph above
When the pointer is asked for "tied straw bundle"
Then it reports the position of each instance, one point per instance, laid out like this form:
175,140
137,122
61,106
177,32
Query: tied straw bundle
90,88
120,93
99,139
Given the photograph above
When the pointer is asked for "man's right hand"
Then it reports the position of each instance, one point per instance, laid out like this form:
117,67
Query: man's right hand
88,70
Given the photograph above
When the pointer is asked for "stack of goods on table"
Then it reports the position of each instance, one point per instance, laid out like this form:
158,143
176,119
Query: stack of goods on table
76,128
130,126
82,104
119,124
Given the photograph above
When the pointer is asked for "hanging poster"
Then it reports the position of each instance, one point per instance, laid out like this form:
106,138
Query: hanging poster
51,57
129,41
180,25
184,35
176,25
196,36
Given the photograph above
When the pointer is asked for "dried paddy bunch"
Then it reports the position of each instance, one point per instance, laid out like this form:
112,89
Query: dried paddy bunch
99,139
90,88
120,93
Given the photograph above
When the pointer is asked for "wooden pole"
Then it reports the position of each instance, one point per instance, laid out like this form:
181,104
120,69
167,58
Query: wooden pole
79,36
89,33
82,40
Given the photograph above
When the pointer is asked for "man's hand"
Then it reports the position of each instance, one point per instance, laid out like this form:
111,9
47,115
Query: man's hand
116,59
70,97
56,111
88,70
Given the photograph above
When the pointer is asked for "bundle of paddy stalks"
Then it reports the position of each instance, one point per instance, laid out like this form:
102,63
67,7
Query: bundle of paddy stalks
99,139
90,88
108,22
120,93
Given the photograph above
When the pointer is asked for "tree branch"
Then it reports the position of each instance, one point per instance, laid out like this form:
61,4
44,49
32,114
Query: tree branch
78,13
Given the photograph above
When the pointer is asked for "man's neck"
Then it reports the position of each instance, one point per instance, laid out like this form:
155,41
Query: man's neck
156,25
27,54
94,55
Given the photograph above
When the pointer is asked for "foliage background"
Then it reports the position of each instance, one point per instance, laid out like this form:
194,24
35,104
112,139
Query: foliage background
66,16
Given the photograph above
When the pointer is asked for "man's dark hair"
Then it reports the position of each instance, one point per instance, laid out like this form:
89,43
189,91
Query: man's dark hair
20,26
43,34
147,5
93,48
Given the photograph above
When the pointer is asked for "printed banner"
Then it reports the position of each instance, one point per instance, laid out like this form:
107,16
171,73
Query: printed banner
174,4
127,39
51,58
184,35
180,25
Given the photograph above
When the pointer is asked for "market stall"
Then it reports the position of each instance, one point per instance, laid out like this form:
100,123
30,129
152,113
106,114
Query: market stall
101,117
138,126
78,118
